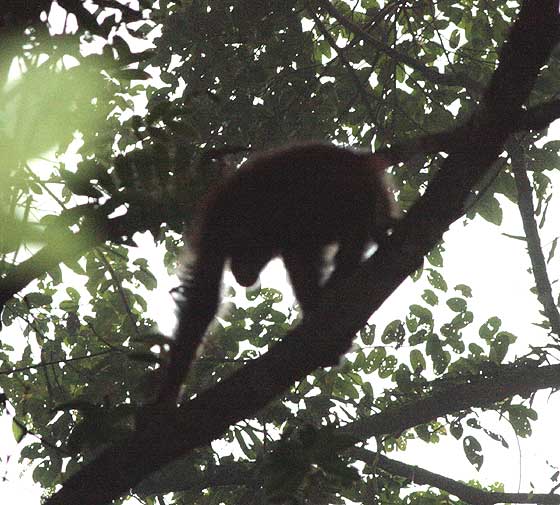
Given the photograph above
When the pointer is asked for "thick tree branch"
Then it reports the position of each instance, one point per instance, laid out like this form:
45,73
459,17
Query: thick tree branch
535,118
187,476
482,392
527,211
504,382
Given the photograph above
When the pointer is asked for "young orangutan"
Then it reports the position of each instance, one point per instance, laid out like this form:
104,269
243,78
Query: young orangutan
290,202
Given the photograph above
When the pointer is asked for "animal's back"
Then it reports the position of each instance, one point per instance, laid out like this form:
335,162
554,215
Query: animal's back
311,192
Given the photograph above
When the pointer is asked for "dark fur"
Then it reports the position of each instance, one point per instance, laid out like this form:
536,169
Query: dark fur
291,202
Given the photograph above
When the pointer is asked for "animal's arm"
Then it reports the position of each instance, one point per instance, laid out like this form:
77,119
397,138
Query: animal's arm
305,268
196,309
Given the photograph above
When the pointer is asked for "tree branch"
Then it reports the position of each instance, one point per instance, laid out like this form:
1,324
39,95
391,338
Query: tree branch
503,382
535,118
462,491
534,247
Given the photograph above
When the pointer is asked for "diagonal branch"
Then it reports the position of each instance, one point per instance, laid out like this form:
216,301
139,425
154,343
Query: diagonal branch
534,118
462,491
242,473
505,381
527,211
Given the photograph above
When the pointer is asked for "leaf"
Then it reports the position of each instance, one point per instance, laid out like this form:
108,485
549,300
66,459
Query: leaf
375,358
552,250
497,437
367,334
19,430
520,418
500,345
465,290
417,361
457,304
456,429
243,445
454,39
393,332
38,299
430,297
462,319
436,279
387,367
473,451
147,279
489,208
489,328
422,313
434,257
68,306
133,74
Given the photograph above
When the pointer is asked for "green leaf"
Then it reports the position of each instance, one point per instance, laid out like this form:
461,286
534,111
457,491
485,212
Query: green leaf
38,299
457,304
393,332
454,39
473,451
147,279
500,345
489,328
422,313
489,208
462,319
367,334
430,297
465,290
375,358
387,367
68,306
436,279
417,361
520,418
19,430
456,429
130,74
243,445
434,257
552,250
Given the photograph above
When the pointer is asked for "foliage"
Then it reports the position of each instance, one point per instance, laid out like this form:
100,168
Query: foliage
80,350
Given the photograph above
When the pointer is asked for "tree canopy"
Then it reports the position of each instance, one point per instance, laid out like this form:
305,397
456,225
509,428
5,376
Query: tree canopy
117,118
